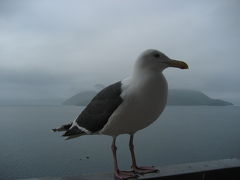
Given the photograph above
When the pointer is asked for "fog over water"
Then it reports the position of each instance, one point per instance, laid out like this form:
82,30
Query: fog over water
54,49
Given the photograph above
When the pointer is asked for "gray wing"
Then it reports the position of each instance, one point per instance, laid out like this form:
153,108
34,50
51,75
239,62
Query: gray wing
96,114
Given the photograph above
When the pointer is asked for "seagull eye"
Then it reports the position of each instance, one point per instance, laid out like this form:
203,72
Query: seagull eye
156,55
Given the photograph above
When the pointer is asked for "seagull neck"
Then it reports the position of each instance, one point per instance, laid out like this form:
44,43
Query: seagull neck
146,74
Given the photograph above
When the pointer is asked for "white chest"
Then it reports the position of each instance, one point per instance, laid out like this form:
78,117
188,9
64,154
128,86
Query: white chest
142,105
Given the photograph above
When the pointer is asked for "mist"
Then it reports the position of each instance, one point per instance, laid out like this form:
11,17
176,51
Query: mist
54,49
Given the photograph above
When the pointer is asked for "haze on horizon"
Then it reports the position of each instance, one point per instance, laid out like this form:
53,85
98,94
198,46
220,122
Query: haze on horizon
54,49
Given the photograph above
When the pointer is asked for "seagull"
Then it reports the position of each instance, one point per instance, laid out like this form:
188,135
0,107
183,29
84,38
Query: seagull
127,106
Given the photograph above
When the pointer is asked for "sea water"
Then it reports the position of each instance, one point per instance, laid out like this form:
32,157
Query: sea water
28,147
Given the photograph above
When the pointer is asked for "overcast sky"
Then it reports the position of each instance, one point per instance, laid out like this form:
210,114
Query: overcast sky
55,48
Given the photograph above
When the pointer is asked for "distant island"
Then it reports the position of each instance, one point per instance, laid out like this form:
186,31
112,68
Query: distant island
179,97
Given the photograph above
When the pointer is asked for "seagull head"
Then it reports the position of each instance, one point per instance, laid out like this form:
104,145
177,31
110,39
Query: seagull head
155,61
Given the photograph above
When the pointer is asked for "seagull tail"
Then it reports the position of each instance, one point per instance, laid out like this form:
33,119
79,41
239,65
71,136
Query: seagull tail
64,127
73,133
75,136
69,132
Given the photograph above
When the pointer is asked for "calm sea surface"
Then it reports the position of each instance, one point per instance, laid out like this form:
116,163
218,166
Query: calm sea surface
28,148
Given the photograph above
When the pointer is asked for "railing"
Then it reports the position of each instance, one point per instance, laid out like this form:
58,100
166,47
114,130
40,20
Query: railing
228,169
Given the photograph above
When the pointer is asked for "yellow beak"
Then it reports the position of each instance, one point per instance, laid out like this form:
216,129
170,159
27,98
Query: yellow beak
178,64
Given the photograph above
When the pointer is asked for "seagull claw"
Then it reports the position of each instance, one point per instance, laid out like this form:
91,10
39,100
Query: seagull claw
144,170
123,175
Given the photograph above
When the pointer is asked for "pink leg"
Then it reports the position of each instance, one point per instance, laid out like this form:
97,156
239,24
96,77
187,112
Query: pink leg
137,169
120,174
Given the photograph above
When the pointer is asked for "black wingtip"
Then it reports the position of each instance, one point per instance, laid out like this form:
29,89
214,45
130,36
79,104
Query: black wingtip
64,127
67,133
73,131
75,136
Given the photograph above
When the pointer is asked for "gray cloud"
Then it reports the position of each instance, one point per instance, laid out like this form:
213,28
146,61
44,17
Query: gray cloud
56,48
